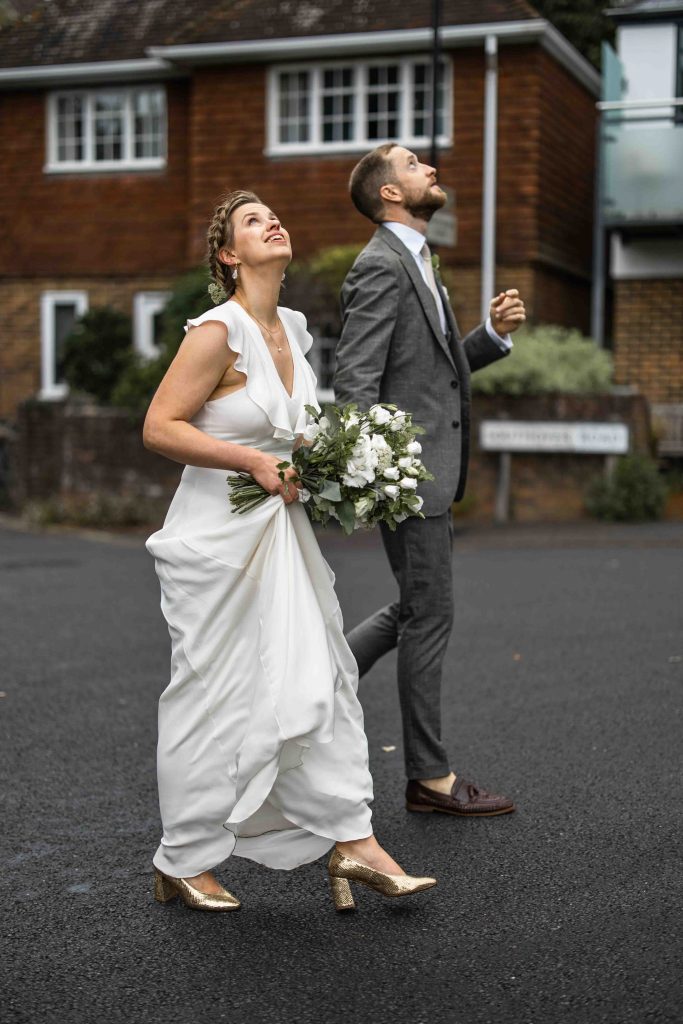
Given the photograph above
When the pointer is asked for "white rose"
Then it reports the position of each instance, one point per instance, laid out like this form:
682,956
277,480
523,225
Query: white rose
363,506
391,473
352,419
412,471
379,415
408,484
398,421
324,424
311,431
414,447
405,462
391,490
304,494
378,442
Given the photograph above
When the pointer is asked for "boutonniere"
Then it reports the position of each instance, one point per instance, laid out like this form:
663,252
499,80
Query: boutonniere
436,262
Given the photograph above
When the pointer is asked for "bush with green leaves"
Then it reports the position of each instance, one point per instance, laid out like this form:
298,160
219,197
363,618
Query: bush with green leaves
633,492
548,359
97,352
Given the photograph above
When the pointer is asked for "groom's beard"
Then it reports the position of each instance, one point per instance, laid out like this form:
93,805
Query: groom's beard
426,205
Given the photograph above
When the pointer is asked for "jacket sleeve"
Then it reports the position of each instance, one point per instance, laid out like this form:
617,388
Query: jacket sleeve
481,349
369,301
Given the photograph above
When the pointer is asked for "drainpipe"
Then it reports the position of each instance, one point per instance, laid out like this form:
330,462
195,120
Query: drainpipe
488,235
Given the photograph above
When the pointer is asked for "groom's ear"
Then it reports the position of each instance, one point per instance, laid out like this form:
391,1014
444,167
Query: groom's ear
390,193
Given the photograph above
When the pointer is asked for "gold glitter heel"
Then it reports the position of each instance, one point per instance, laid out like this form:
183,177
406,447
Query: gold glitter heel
343,870
163,890
341,894
166,888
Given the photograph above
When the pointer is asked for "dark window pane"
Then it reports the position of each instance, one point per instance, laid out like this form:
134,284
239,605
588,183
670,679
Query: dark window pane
64,319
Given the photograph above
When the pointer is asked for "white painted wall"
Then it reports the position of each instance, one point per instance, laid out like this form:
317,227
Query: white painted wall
646,258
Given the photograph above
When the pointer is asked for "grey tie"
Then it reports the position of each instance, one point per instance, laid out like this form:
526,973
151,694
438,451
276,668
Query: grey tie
426,255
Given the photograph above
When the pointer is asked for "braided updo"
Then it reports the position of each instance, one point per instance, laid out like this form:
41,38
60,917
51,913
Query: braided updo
220,236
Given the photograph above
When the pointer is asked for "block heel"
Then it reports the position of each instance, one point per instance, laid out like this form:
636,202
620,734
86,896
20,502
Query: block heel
341,894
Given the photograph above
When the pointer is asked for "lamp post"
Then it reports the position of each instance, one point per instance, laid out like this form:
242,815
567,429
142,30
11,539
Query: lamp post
436,53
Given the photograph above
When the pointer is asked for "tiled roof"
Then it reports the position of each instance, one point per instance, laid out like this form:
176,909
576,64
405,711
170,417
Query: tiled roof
48,32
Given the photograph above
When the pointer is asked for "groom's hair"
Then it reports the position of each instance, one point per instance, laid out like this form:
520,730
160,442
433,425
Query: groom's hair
367,178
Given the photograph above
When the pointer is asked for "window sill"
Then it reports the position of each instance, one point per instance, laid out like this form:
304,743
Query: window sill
106,167
342,148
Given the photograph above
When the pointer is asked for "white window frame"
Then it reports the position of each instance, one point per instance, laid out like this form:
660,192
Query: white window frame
50,389
360,142
89,164
145,307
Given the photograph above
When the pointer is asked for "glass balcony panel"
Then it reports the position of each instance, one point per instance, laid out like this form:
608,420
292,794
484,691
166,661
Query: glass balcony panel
643,173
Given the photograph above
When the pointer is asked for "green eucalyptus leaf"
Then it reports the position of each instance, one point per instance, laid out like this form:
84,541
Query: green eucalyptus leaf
347,515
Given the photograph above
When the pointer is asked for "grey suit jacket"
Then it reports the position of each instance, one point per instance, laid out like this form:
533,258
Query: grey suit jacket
392,349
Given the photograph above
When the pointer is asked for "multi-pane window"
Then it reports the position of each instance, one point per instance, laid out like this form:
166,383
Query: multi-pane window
107,129
422,99
338,104
59,312
294,107
346,105
384,94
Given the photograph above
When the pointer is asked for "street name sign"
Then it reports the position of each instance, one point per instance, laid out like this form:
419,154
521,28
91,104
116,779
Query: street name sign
571,438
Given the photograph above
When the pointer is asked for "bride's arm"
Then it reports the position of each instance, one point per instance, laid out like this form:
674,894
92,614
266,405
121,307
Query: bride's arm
193,375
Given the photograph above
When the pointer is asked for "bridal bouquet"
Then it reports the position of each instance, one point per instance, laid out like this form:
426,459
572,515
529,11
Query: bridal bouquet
358,468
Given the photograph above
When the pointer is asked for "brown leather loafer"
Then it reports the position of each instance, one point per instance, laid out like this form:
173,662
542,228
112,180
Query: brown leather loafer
465,799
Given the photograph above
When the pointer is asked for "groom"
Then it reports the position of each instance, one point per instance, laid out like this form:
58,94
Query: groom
400,344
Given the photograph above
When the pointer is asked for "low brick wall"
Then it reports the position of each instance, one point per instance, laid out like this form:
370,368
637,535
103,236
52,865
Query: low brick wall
68,449
547,486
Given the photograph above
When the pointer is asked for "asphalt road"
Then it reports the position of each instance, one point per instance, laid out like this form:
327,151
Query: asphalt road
564,689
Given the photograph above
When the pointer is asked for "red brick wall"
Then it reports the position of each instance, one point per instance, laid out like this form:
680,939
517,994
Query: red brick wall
99,223
648,337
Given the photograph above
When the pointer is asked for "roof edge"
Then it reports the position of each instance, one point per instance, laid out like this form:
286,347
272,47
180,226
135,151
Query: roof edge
175,61
87,73
393,41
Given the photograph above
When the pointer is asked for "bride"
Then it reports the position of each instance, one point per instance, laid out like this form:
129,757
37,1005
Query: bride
261,749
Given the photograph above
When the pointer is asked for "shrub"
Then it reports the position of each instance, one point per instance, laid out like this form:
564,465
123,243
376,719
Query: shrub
634,492
97,351
333,264
98,510
548,359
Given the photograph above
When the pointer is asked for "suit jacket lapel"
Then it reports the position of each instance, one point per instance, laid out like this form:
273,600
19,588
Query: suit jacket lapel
423,292
458,355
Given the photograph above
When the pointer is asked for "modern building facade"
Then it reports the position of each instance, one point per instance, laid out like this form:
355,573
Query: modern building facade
641,209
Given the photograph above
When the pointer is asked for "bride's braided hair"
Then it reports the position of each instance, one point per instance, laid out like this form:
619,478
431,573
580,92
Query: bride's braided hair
220,236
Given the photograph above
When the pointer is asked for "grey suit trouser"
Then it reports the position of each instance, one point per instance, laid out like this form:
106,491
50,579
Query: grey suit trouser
419,624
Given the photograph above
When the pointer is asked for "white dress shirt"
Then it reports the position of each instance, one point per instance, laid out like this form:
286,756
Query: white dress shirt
414,241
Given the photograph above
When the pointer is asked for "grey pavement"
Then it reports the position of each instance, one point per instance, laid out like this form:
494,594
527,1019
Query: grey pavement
564,689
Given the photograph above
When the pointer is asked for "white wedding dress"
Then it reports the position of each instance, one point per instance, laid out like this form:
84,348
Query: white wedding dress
262,751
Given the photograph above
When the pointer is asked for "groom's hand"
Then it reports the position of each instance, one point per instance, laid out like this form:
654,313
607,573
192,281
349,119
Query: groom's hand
507,312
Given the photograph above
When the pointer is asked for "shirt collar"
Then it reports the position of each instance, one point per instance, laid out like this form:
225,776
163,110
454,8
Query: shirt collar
411,238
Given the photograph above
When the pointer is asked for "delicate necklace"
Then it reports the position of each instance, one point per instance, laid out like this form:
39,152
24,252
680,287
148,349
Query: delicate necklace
266,329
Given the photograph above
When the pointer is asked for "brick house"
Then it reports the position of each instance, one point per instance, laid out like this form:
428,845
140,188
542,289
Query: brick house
121,124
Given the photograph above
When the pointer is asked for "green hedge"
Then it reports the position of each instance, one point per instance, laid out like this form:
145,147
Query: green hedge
634,492
547,359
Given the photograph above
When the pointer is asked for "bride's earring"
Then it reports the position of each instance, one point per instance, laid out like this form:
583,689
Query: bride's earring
283,278
234,272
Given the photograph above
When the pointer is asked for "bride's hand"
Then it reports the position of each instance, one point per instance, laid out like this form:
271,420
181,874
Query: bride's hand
265,472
